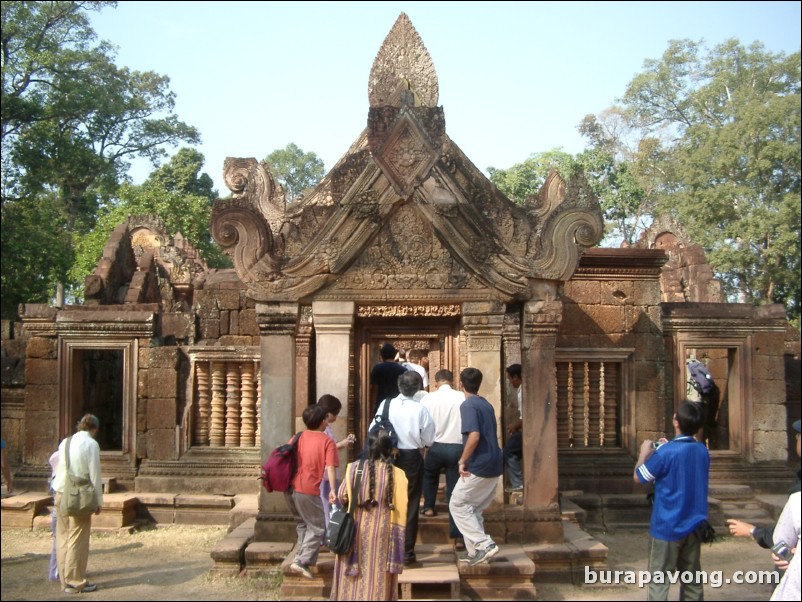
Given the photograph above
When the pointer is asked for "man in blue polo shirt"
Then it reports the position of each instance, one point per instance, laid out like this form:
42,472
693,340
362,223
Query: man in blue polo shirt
480,466
680,471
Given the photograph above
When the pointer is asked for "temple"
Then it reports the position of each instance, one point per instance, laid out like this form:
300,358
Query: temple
196,374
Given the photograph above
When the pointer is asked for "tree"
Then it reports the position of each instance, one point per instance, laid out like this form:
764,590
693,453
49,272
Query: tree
731,175
525,179
177,193
71,119
31,230
295,169
620,165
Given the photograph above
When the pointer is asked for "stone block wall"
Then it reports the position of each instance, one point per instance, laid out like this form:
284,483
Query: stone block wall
623,312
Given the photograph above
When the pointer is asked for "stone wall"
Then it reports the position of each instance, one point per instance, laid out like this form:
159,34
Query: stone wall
613,302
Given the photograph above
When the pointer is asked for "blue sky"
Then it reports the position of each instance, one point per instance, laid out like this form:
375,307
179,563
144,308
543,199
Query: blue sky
515,77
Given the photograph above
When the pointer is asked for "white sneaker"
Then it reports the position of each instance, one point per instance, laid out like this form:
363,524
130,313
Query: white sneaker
297,567
484,555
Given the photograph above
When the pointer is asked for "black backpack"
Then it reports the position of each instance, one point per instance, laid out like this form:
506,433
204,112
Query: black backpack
382,423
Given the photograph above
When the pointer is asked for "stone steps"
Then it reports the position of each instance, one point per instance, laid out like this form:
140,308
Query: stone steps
126,509
633,511
509,575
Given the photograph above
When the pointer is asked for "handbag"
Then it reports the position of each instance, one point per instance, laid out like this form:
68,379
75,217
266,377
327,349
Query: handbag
342,528
78,498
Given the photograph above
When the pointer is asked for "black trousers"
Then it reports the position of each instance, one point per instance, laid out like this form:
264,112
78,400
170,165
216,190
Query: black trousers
411,462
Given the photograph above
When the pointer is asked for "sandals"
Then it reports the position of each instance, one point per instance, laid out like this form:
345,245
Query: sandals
429,512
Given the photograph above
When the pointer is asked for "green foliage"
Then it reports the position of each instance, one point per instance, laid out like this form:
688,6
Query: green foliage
618,165
29,269
71,119
177,193
525,179
295,169
732,174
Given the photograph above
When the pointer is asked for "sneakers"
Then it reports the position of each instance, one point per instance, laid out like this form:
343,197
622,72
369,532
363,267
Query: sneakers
87,589
514,489
297,567
484,555
464,557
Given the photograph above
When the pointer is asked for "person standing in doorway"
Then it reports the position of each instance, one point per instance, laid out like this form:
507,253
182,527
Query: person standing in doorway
513,448
384,376
72,532
480,466
413,362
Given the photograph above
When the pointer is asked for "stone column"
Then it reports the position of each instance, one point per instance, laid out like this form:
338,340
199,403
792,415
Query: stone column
277,325
483,323
541,318
304,394
334,324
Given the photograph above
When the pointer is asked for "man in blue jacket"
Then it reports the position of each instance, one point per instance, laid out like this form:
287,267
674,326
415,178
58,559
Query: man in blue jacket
680,471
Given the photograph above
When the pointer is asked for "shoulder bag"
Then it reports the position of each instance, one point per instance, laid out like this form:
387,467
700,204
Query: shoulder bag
342,528
78,498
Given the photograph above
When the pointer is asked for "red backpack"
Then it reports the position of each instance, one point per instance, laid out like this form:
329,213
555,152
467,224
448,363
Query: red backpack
279,469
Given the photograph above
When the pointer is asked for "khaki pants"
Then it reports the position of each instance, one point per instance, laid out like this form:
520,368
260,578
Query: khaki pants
72,547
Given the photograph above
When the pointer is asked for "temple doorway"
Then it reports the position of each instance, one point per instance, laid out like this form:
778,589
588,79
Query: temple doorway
438,338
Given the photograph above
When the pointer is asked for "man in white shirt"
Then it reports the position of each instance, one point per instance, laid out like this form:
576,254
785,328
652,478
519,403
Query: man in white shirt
72,532
414,363
415,430
443,405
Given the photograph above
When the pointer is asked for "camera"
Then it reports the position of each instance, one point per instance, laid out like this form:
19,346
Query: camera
782,550
656,444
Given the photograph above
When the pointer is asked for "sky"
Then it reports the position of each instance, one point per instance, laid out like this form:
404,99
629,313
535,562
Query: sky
515,78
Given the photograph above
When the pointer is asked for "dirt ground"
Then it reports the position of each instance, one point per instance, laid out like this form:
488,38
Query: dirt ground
172,563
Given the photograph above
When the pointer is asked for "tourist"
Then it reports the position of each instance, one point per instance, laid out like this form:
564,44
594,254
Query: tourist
788,531
513,448
680,471
332,405
414,362
317,453
72,532
480,466
384,376
52,573
415,429
370,570
6,468
764,536
444,406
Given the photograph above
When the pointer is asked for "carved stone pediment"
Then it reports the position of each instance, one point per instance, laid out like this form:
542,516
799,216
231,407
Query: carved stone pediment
404,214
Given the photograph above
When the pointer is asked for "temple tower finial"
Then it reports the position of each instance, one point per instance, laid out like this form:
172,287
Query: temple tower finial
403,66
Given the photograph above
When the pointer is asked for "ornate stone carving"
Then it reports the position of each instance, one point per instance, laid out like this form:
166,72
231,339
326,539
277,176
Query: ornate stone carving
408,311
402,146
404,216
403,65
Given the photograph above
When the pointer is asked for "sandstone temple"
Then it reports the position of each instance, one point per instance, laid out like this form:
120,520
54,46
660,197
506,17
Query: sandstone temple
196,373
